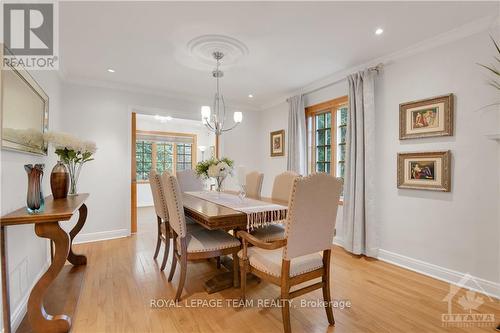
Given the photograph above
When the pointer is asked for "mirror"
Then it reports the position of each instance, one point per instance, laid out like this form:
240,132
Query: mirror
25,110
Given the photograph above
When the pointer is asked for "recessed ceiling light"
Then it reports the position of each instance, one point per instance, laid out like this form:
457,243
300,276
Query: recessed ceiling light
250,96
168,118
379,31
111,70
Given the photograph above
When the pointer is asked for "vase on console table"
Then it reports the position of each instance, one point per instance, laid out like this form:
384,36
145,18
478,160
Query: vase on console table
35,203
59,181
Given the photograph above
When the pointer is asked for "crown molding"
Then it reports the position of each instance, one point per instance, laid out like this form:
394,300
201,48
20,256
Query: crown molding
486,23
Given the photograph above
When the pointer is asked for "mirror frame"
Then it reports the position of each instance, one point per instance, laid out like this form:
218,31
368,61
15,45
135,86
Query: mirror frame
31,82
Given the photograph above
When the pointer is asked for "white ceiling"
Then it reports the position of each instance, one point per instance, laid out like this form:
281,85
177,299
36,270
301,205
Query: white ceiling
291,44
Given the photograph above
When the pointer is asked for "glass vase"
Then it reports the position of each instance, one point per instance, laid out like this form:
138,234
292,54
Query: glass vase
35,203
219,181
74,173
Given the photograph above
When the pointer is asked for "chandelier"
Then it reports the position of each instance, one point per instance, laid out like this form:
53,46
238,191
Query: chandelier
215,121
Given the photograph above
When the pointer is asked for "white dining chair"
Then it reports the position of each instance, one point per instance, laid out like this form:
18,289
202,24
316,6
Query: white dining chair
189,181
296,259
194,244
282,188
253,185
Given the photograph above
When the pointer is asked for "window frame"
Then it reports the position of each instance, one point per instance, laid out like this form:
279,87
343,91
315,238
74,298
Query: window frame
311,112
154,150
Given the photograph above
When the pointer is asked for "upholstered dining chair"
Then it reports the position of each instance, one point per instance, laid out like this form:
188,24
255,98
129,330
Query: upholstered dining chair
254,184
189,181
310,226
160,206
282,187
196,244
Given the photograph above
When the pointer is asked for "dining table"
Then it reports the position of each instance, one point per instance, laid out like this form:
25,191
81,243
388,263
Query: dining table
214,215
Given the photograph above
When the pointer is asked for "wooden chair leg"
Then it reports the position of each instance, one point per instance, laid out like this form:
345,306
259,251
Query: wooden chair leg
236,264
285,295
158,238
326,287
218,263
285,313
243,275
174,259
165,254
182,278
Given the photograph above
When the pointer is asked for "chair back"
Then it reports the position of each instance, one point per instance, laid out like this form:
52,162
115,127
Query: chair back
172,191
282,186
312,213
189,181
254,184
158,195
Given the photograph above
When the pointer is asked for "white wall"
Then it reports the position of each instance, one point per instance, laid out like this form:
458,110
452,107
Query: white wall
204,137
241,145
27,254
457,230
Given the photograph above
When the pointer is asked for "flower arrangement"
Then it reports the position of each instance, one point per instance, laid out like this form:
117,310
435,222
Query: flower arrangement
215,168
73,153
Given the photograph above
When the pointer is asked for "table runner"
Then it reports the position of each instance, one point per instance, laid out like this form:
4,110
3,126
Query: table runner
259,213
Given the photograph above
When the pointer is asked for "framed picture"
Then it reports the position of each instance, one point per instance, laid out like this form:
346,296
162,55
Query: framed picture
425,171
426,118
278,143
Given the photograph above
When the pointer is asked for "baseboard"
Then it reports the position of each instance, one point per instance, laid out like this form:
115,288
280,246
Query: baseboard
20,311
465,280
338,241
100,236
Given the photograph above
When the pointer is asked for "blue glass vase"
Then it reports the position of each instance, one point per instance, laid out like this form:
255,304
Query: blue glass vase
35,203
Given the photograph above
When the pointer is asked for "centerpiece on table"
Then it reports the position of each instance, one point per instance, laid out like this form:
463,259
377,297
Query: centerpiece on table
218,169
73,153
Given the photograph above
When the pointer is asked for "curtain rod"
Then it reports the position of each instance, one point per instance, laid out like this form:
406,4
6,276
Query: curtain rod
376,68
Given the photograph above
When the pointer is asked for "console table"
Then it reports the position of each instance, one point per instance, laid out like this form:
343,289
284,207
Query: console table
46,226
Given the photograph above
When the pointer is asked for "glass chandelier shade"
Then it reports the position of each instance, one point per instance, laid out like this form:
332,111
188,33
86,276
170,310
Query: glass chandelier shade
215,121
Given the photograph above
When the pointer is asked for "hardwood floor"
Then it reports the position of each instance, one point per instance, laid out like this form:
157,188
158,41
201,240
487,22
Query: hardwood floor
122,279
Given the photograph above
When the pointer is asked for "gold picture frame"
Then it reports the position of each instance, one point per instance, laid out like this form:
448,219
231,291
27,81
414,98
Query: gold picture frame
277,143
425,170
431,117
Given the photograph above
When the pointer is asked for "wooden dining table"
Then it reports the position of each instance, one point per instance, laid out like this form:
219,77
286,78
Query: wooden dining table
214,216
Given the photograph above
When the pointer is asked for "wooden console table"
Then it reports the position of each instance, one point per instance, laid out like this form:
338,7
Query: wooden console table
46,226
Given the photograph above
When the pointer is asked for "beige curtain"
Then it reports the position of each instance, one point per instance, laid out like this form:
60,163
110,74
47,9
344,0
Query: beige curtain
297,144
359,225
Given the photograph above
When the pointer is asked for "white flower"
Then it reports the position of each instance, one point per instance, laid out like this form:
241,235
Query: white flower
223,169
213,171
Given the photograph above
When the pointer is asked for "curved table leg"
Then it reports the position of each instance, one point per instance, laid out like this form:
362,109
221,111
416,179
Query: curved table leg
39,319
73,258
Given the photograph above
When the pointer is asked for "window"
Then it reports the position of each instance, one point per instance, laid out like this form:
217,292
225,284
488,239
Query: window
327,125
164,157
143,157
163,152
184,159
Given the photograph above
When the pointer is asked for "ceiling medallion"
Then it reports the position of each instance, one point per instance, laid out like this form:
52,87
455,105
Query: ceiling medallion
203,47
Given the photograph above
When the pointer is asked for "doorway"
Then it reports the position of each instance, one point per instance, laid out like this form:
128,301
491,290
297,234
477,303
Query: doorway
164,144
